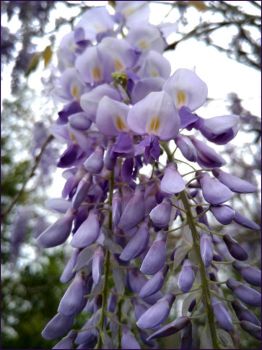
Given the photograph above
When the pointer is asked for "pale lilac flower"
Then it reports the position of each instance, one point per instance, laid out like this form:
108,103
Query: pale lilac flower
213,190
87,233
58,232
222,315
155,257
154,115
111,118
186,89
172,182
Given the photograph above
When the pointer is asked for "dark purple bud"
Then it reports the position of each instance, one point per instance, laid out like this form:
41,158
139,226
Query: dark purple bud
233,182
172,182
222,315
206,156
186,147
58,232
154,284
123,145
206,249
67,342
127,169
135,280
252,329
69,109
201,215
219,130
192,305
87,233
243,221
243,314
213,190
186,276
223,213
161,214
234,248
58,326
157,313
60,205
246,294
134,211
68,272
81,192
171,328
97,265
128,341
72,301
94,163
155,257
79,121
250,274
137,244
70,156
186,337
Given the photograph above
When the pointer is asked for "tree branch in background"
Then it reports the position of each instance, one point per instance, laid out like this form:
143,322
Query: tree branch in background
32,173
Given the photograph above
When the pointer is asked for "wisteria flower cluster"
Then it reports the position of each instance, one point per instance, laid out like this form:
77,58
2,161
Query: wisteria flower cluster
131,274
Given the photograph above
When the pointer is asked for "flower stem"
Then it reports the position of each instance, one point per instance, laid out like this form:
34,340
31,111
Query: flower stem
196,247
107,267
204,281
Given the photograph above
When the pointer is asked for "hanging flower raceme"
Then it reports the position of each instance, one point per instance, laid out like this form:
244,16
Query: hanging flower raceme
145,255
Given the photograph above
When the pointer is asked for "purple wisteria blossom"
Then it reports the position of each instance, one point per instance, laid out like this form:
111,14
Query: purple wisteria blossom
146,257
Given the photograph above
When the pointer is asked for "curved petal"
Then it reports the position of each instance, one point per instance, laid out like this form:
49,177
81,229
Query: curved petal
111,117
154,115
154,65
186,89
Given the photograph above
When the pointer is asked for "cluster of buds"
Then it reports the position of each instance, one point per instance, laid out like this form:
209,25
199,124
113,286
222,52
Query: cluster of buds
129,262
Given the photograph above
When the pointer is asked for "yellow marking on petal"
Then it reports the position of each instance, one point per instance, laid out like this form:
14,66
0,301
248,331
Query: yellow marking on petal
154,124
128,11
120,124
96,73
181,98
143,44
154,73
118,65
75,92
72,137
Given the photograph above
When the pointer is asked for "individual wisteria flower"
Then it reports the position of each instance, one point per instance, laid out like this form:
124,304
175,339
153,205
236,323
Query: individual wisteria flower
206,249
250,274
154,115
58,232
155,257
234,248
171,328
186,89
142,230
187,276
244,293
222,315
128,340
137,244
172,182
157,313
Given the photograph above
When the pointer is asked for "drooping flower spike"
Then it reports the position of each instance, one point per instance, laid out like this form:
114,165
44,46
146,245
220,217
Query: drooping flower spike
143,243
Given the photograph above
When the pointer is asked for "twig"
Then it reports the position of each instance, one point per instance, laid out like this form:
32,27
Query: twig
32,173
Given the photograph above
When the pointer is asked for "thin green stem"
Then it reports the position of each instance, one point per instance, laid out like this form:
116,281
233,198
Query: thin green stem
119,316
107,267
204,280
196,247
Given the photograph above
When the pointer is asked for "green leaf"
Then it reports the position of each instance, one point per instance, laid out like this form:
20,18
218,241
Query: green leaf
33,64
47,55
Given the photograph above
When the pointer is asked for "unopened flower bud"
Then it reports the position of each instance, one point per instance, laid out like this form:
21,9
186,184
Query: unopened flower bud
234,248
